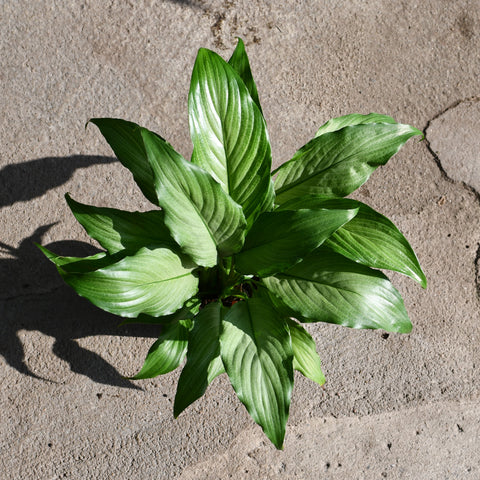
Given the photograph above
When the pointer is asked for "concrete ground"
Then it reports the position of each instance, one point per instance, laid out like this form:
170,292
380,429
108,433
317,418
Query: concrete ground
394,406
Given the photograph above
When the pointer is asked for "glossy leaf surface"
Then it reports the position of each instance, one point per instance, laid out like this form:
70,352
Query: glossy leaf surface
305,356
167,352
203,358
278,240
228,132
240,63
370,238
79,264
186,312
117,230
256,350
154,282
335,124
337,163
327,287
201,217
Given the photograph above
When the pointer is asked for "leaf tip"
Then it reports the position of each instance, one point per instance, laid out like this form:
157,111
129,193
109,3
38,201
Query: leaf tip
415,131
419,132
95,121
240,42
419,276
45,251
321,381
177,409
352,213
203,52
279,443
405,327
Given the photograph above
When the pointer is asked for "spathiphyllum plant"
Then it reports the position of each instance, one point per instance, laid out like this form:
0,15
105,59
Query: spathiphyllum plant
235,258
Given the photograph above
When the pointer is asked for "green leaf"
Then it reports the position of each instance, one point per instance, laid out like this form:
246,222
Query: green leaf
267,206
215,369
327,287
265,295
117,230
203,357
337,163
257,353
167,352
305,356
78,264
201,217
239,62
278,240
186,312
229,133
370,238
154,282
352,119
126,142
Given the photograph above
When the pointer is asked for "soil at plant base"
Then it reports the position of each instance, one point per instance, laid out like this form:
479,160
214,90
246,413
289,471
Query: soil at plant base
394,406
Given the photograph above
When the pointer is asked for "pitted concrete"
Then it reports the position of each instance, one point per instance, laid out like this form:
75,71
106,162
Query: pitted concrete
396,406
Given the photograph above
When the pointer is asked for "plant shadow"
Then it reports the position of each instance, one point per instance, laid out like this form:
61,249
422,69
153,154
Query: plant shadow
22,182
58,313
33,297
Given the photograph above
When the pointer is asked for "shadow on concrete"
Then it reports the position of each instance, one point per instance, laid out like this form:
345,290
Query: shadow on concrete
57,312
26,181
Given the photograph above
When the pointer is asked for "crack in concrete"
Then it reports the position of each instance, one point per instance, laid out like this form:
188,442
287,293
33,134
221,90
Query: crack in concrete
436,158
477,271
446,177
474,98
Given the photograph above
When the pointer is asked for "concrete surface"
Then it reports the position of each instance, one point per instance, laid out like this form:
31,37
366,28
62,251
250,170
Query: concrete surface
396,406
456,144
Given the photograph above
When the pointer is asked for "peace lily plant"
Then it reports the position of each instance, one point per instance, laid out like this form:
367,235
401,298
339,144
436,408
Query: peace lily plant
236,258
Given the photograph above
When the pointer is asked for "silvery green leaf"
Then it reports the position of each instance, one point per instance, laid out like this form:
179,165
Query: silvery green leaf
279,239
369,238
202,218
154,282
240,63
327,287
229,133
256,351
337,163
335,124
167,352
127,144
305,356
